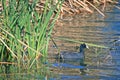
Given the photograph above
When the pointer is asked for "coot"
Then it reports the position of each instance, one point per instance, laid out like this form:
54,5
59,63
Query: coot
66,56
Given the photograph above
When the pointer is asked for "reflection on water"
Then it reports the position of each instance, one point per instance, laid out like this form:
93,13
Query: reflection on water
90,29
64,65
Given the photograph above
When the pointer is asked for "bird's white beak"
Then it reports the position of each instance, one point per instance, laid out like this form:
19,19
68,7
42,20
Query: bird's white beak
87,47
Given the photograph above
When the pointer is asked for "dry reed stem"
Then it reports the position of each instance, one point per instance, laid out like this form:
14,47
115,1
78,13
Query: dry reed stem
95,8
72,7
117,7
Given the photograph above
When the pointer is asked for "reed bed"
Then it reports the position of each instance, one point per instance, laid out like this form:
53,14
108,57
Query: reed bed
25,34
72,7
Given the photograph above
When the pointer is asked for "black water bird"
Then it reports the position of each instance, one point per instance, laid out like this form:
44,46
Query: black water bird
66,56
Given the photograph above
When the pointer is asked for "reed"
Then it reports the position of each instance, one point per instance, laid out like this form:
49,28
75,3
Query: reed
25,33
73,7
80,42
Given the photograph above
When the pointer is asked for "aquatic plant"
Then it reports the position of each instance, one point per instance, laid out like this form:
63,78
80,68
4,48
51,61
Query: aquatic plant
72,7
25,33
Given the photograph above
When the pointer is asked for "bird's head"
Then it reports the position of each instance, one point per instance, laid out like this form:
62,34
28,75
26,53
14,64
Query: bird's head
83,46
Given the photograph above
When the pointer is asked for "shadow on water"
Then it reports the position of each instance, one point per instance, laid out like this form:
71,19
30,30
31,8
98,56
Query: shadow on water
102,64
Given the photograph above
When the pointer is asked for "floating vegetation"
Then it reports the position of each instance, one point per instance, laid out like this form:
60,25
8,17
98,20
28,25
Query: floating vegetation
75,41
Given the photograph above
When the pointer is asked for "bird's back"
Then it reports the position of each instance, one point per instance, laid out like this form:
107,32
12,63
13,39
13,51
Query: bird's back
71,55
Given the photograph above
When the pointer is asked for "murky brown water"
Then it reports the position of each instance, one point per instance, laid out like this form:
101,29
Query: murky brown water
93,29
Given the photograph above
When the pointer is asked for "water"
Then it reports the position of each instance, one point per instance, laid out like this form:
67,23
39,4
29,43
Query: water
89,29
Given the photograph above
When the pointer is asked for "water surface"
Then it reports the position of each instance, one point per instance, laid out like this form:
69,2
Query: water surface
93,29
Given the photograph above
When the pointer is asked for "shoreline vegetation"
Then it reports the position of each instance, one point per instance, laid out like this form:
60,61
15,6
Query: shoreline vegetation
26,28
73,7
25,34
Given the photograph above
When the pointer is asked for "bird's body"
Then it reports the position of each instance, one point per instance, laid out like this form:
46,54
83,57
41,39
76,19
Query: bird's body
66,56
